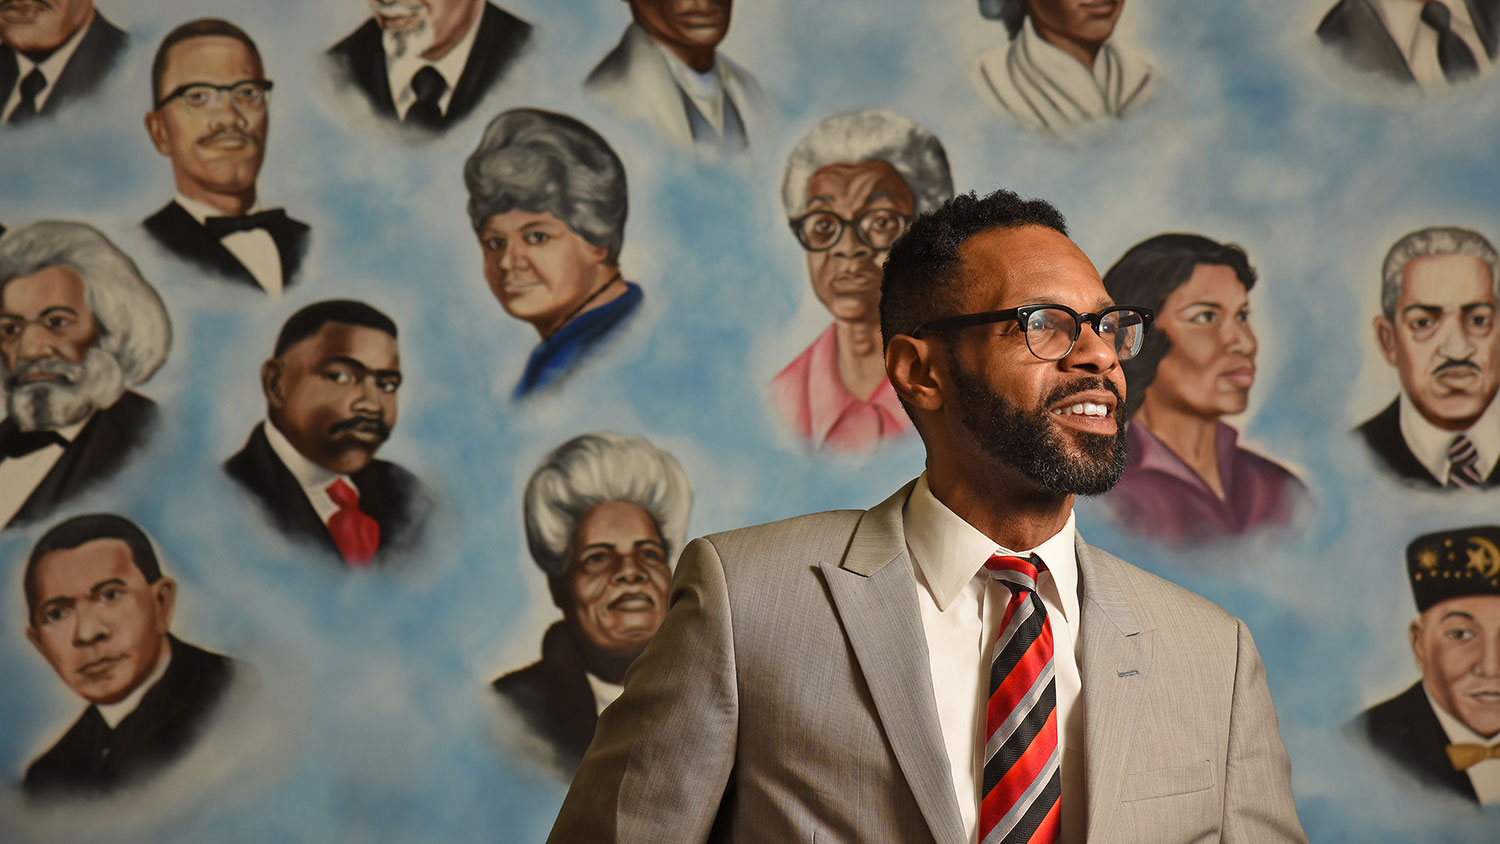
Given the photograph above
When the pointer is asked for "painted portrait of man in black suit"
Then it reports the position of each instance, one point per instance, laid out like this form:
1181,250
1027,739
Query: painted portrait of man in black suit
427,63
99,609
1431,43
79,327
1437,328
330,388
52,53
605,516
210,115
1441,729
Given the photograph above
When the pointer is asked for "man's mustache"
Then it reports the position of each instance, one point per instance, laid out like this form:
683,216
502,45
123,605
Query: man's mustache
1083,385
70,373
361,423
1456,364
225,133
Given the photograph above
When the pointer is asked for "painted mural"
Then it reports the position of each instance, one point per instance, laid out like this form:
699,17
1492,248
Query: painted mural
238,238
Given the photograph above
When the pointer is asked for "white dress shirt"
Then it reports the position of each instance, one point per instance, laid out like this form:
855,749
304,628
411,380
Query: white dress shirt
706,90
401,68
52,67
254,249
1418,41
1429,443
1485,776
20,475
114,713
314,479
605,692
961,608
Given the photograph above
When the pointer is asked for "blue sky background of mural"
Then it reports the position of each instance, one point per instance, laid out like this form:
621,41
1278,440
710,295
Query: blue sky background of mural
379,683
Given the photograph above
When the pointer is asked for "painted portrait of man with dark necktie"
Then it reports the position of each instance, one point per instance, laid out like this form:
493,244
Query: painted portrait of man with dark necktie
52,52
210,114
79,327
330,389
1425,44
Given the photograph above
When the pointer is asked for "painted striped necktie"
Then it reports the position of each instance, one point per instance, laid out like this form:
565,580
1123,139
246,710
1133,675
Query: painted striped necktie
1463,463
1022,796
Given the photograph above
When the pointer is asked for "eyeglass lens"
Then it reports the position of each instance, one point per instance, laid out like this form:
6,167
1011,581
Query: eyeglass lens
249,96
1050,333
877,229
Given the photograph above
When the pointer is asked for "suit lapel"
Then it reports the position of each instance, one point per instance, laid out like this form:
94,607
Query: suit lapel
874,593
1367,29
652,82
10,70
1482,13
1115,670
91,62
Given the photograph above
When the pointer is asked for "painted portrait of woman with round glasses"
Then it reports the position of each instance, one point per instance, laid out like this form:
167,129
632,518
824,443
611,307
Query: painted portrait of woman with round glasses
851,187
1188,480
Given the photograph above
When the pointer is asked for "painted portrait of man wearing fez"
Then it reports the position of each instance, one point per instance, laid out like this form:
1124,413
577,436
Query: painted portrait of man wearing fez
52,52
547,200
1189,480
1062,70
605,517
330,387
99,610
210,115
79,327
1438,307
427,63
667,71
850,187
1444,730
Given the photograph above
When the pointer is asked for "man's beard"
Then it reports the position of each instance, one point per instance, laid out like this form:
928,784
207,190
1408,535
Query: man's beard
404,42
1031,444
48,405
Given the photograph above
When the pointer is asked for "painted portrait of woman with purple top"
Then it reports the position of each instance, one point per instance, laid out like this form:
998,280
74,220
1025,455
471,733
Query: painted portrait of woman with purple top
1188,480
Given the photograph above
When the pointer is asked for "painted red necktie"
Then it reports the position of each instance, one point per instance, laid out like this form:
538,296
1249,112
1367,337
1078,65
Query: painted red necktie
354,532
1022,796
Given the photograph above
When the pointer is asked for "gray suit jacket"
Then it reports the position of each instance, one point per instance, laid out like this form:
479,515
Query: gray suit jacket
787,697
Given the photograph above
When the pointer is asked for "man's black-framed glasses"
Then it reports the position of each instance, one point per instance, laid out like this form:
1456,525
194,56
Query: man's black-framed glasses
247,95
1051,330
877,228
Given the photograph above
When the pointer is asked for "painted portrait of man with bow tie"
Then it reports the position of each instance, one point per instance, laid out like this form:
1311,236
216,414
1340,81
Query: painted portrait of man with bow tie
79,327
1445,728
330,388
210,104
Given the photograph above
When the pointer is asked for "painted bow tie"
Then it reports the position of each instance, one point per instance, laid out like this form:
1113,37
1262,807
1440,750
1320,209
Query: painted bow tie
1467,755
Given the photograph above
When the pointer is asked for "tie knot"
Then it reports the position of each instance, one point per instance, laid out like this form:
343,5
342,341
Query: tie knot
20,443
1016,572
220,227
1436,15
33,84
343,495
428,85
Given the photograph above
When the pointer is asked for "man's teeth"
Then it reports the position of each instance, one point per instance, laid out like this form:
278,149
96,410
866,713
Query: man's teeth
1087,408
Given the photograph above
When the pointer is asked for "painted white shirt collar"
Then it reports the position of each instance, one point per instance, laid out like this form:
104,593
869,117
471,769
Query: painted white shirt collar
706,90
314,479
1485,776
1429,443
114,713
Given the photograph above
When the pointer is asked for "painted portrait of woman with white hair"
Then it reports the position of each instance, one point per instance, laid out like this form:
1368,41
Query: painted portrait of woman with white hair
851,187
1062,69
605,517
79,327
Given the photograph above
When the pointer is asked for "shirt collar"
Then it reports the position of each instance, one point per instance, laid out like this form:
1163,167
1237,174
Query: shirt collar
700,85
1456,730
949,551
1429,443
310,475
451,65
202,211
827,396
114,713
52,66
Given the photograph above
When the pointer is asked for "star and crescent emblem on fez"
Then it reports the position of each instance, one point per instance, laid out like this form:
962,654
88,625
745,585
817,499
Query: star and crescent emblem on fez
1484,557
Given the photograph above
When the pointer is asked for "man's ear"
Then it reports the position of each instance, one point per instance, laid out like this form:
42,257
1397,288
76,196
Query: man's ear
270,382
164,596
158,132
1414,632
911,365
1385,335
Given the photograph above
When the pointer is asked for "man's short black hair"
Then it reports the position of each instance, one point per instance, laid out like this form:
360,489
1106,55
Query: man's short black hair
83,529
918,282
1146,275
307,322
201,28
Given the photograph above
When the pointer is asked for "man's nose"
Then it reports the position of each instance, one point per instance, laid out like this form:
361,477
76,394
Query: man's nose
91,628
36,342
1091,352
1454,343
368,397
1489,658
629,570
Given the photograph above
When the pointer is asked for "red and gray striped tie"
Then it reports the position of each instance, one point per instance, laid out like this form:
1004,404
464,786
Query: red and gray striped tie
1022,795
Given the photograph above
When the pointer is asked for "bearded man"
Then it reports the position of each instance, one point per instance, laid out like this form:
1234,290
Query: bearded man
79,326
917,672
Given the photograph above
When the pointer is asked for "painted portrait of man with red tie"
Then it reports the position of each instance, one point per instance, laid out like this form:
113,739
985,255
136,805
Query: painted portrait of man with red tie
330,388
1444,730
210,114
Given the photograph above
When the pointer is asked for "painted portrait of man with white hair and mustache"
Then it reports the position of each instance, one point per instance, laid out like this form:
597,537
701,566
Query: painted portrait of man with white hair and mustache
79,327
